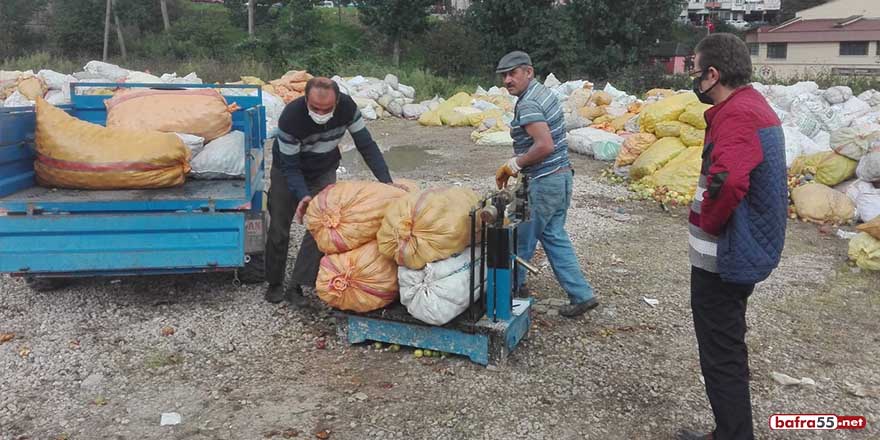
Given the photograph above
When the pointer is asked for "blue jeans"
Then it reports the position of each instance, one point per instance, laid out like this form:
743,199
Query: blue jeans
549,199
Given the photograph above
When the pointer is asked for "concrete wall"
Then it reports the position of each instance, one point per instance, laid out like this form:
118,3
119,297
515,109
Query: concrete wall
812,58
842,9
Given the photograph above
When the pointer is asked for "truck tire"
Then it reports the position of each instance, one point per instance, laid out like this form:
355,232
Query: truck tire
40,284
254,271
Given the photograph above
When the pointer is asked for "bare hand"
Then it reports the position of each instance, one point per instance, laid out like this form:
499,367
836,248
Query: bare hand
399,185
301,209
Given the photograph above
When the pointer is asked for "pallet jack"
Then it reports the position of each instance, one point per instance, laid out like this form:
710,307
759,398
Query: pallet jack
496,321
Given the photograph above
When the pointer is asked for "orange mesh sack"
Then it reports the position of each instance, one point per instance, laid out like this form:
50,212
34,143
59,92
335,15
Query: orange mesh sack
76,154
427,226
201,112
347,215
360,281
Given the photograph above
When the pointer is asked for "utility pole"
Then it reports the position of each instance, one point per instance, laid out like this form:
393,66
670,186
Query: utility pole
165,20
252,6
107,30
119,32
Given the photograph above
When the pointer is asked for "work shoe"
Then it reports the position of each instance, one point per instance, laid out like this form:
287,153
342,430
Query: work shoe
687,434
274,293
295,296
574,310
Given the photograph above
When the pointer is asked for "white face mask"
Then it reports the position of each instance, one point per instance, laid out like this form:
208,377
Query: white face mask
320,119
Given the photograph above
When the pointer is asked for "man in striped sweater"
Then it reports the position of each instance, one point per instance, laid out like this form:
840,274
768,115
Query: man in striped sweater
737,225
304,161
539,142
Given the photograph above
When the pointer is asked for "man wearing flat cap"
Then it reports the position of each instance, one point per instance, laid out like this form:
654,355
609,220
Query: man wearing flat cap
541,153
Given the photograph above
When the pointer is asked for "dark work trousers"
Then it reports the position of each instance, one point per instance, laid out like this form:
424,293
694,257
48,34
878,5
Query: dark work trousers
282,208
720,322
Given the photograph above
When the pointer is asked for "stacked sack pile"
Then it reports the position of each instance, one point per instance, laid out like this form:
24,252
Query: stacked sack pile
72,153
344,219
663,159
831,137
832,146
375,97
21,89
489,112
381,243
174,133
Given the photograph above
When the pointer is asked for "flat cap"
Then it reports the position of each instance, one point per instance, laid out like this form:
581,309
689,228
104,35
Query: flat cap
512,61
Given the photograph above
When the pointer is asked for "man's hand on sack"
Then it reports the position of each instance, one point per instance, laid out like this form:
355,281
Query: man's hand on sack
399,185
506,171
301,209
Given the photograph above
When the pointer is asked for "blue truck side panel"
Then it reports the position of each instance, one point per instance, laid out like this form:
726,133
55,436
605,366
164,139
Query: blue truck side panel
16,150
78,243
123,236
17,127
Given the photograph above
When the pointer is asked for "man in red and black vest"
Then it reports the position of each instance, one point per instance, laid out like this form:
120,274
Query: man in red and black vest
737,225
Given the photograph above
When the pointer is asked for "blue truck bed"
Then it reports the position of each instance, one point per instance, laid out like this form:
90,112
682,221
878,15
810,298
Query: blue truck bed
207,225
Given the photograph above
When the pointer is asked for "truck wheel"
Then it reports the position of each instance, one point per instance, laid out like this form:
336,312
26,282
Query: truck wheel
254,271
40,284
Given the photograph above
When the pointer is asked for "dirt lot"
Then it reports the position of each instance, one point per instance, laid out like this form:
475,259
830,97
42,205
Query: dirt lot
91,362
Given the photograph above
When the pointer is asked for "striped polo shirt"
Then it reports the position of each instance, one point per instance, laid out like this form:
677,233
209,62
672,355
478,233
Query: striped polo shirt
540,104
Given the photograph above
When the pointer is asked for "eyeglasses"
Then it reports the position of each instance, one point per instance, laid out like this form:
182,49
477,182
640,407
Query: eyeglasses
695,74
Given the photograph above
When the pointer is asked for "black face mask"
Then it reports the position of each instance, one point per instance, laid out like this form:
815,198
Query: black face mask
703,96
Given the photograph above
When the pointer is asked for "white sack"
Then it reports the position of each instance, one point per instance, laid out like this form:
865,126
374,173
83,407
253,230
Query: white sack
16,99
551,81
439,292
869,167
581,140
414,111
110,71
222,158
142,77
195,143
867,199
838,94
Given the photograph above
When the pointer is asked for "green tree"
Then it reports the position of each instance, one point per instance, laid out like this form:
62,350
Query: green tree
15,37
207,31
239,14
613,34
396,20
452,49
538,27
297,30
78,26
146,15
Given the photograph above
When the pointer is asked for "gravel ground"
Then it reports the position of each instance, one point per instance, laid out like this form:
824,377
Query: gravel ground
99,360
